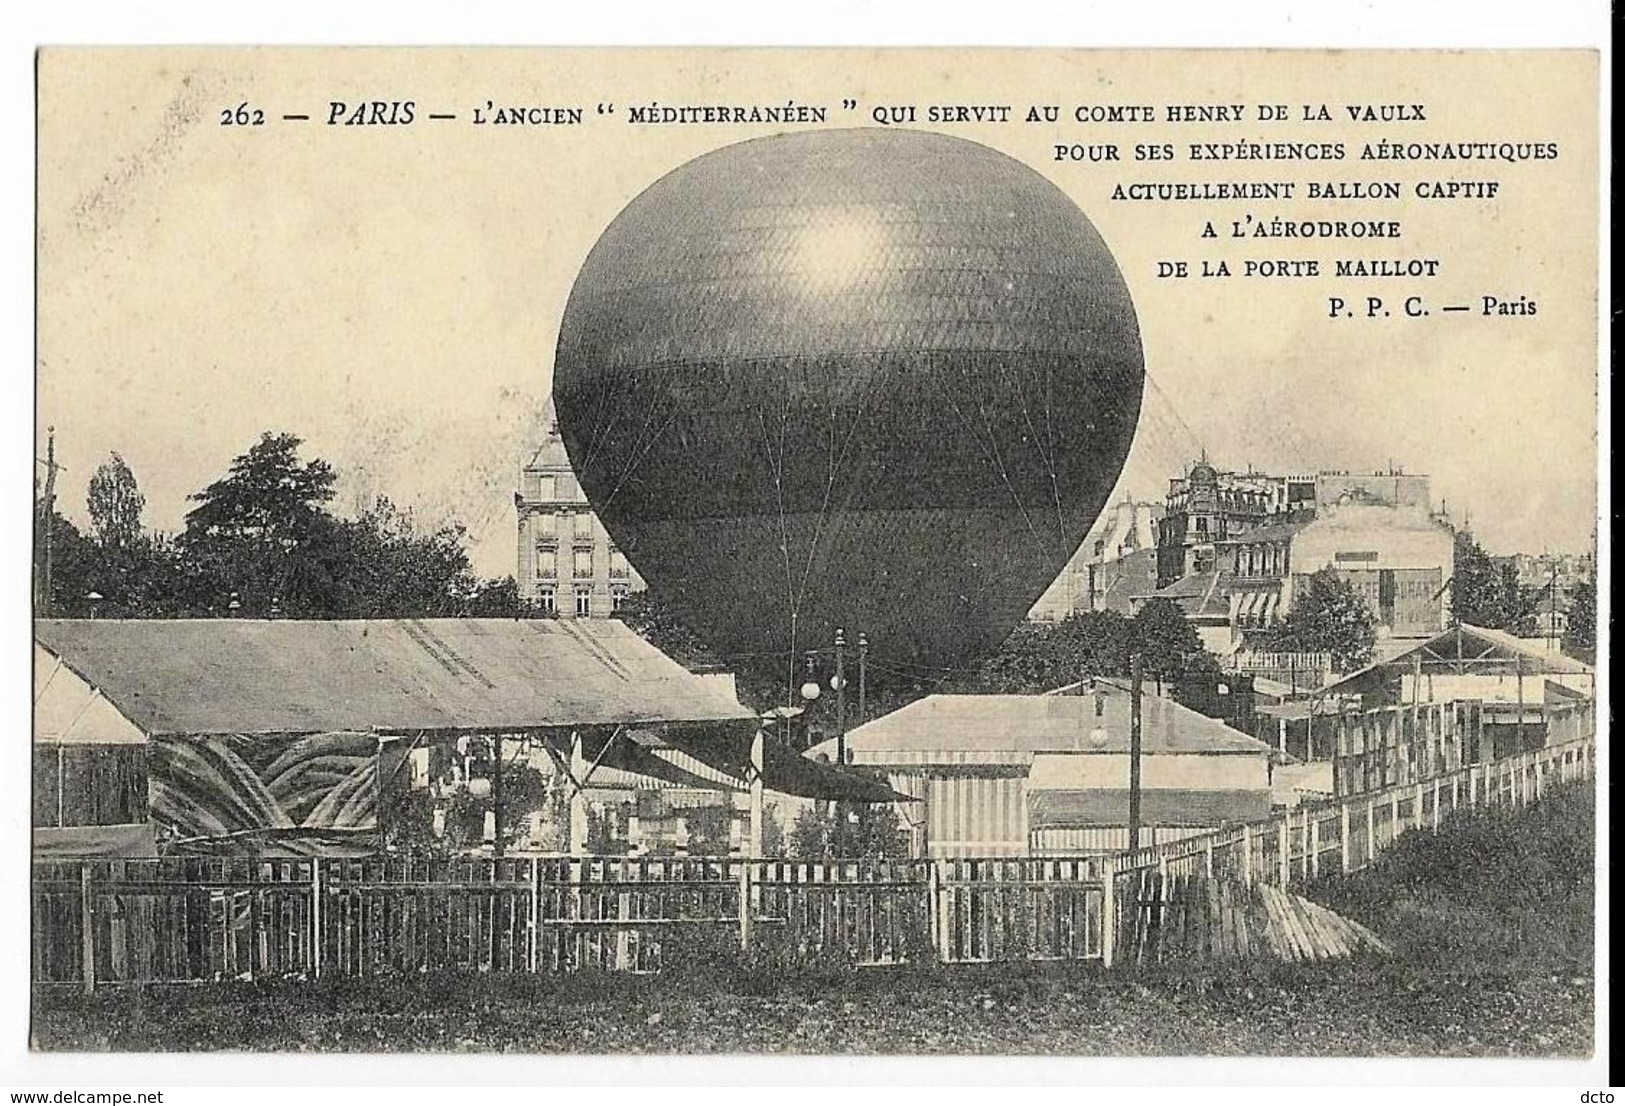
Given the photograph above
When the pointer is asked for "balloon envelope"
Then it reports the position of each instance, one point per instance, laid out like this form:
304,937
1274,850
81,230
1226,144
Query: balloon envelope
883,380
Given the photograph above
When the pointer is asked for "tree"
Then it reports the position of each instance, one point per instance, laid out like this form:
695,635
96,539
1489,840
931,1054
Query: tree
73,567
1580,639
662,625
1042,656
1484,593
1328,616
826,831
708,829
115,503
1167,642
261,533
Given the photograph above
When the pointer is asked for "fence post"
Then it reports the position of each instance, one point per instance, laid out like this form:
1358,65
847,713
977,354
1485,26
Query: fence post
745,919
1393,822
315,917
535,912
1435,802
1207,858
1247,855
1108,911
1472,785
1343,835
1312,825
1286,850
1370,831
87,932
933,899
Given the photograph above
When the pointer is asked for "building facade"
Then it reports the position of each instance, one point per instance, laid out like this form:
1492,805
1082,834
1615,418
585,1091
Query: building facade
1233,549
1206,507
1111,564
567,564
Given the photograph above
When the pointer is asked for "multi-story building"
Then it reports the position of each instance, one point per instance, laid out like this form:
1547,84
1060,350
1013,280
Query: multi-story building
1206,507
1116,559
567,564
1234,547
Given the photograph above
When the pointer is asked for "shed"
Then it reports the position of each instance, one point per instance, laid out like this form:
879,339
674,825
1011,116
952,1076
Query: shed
1465,662
1017,775
276,736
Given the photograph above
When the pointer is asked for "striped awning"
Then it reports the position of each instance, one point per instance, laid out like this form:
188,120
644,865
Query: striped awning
1256,606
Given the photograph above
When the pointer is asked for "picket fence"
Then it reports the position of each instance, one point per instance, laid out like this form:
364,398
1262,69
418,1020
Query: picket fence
192,919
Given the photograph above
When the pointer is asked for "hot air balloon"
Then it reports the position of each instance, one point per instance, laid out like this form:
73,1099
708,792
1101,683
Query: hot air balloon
875,379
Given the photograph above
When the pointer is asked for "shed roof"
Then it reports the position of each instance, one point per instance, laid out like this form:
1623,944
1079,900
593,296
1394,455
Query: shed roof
174,677
1461,650
1011,729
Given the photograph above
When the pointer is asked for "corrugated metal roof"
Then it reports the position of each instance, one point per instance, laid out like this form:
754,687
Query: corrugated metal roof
478,675
1009,729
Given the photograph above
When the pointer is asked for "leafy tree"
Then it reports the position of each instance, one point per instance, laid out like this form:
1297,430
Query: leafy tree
773,842
261,532
1484,593
1167,642
708,829
662,624
1328,616
1580,639
73,567
115,503
848,830
1041,656
500,598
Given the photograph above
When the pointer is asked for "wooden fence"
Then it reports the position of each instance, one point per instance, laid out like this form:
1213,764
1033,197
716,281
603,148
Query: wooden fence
1343,835
200,919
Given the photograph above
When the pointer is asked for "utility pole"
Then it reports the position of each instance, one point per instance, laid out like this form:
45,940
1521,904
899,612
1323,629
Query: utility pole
1551,614
840,695
1134,757
47,522
863,677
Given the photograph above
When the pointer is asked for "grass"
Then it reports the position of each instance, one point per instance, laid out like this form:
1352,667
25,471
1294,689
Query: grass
1490,920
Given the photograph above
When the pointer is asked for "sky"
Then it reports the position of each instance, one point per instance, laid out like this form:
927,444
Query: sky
392,295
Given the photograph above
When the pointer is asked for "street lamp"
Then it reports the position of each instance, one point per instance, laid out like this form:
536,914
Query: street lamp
93,598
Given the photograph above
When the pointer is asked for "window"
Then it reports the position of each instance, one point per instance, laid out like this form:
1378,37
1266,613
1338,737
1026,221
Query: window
583,604
547,564
1201,524
618,568
617,596
541,487
583,564
547,525
584,524
546,601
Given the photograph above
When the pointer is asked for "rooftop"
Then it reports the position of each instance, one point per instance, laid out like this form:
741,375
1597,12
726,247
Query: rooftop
246,676
1011,729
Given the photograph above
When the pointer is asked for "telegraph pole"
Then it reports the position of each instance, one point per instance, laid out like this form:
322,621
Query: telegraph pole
48,522
1134,757
840,696
1551,614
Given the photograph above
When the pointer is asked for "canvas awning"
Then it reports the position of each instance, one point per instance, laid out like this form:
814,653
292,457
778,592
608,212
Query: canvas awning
791,773
211,676
69,711
1257,606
